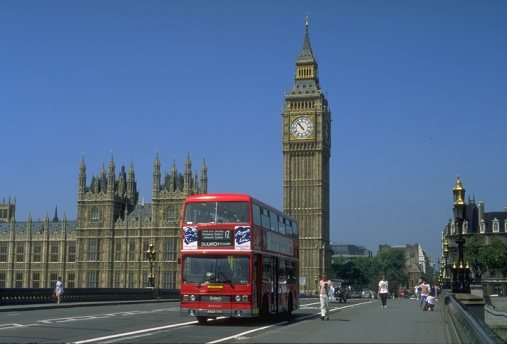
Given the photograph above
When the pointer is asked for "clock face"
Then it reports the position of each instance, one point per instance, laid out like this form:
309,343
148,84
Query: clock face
301,127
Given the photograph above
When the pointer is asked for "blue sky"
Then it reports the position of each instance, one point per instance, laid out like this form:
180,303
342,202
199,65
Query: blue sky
417,89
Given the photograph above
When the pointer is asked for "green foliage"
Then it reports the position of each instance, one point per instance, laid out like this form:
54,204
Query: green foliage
365,272
486,256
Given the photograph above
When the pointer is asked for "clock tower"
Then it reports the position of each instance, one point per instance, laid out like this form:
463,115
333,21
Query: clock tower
306,141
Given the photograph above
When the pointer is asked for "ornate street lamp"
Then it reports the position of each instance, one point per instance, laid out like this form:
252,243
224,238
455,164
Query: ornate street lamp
445,276
461,271
150,253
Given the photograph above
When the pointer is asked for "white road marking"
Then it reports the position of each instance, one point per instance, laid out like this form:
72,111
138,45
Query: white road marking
9,326
101,339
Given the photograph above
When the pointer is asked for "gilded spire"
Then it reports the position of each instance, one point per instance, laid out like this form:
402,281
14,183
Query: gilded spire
458,185
458,192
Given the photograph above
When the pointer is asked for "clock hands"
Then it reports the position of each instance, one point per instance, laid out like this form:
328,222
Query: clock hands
302,127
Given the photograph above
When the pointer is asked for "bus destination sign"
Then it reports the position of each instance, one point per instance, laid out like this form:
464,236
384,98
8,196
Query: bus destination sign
216,238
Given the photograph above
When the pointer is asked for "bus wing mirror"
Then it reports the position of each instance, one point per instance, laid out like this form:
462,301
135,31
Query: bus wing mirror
179,261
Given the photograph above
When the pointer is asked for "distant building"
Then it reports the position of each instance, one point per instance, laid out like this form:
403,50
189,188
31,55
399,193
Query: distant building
417,263
349,251
105,247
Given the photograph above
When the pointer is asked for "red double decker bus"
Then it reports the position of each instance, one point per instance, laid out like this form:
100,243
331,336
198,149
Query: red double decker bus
239,258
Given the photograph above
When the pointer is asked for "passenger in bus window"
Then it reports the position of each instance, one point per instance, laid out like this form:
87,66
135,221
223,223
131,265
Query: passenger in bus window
241,271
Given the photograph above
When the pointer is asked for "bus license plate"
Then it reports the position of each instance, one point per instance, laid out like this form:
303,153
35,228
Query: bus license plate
215,311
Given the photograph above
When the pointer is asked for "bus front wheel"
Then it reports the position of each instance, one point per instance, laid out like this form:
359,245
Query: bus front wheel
202,320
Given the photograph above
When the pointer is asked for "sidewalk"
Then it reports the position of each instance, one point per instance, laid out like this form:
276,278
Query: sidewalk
401,322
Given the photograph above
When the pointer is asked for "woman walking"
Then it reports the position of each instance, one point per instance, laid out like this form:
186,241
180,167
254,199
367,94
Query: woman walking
59,289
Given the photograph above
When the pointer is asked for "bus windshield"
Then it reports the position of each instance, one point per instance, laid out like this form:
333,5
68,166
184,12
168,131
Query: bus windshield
216,269
217,212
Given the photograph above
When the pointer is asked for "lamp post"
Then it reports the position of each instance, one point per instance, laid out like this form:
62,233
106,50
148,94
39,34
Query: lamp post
446,281
150,253
460,270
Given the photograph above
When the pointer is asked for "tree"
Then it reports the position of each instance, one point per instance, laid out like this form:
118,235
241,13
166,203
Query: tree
352,271
484,256
475,254
365,272
391,263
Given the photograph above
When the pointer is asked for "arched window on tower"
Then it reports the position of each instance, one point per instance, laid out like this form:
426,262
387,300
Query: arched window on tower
95,214
171,213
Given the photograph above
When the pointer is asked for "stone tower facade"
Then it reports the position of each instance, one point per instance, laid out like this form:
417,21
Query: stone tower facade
306,141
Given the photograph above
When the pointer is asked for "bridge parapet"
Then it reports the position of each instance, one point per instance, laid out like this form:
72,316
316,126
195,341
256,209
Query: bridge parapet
464,314
16,296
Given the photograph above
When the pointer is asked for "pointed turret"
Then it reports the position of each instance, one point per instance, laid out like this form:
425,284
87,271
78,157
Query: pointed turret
195,184
122,182
187,179
156,175
131,184
55,218
204,177
103,179
111,181
82,177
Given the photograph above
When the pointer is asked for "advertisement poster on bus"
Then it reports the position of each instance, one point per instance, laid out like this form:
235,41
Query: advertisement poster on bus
242,238
190,238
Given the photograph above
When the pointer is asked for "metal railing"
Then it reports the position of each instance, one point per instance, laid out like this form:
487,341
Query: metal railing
18,296
465,328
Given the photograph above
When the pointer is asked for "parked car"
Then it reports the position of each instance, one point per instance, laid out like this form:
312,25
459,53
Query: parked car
356,294
368,294
341,292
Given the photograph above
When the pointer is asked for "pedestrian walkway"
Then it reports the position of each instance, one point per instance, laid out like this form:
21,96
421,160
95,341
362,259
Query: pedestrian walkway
401,322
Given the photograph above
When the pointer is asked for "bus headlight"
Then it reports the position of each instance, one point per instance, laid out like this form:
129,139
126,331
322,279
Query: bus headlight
241,298
193,298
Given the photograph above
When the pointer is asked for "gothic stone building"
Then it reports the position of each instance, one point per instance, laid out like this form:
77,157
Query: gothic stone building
106,246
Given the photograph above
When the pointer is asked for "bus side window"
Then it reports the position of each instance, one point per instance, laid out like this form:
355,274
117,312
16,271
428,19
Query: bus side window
256,213
281,225
274,221
265,218
288,227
